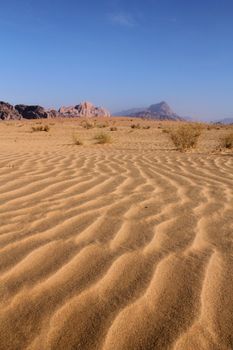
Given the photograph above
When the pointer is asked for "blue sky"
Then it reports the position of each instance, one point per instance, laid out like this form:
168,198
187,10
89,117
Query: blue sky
119,54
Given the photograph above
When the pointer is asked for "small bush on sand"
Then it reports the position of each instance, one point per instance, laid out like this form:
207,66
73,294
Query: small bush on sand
103,138
87,125
135,126
227,141
186,136
146,127
102,125
113,128
77,141
45,128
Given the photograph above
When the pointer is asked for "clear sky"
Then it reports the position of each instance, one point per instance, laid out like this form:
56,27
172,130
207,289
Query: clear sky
119,54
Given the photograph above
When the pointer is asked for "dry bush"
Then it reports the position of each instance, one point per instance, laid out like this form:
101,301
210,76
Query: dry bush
77,141
186,136
135,126
227,141
146,127
45,128
103,138
113,128
87,125
102,125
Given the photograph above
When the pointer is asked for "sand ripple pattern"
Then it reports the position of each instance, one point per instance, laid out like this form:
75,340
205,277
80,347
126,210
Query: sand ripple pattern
113,250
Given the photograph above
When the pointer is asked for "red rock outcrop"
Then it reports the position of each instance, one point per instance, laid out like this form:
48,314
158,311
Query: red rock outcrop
85,109
8,112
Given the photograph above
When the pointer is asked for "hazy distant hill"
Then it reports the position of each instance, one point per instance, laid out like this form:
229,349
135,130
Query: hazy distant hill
225,121
128,112
159,111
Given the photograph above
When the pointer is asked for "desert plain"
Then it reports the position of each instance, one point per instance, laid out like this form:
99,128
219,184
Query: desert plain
126,245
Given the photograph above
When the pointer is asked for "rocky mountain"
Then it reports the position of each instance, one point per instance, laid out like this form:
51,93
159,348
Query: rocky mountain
31,112
158,111
128,112
8,112
228,121
86,109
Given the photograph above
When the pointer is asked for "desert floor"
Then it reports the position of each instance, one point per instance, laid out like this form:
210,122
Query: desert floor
121,246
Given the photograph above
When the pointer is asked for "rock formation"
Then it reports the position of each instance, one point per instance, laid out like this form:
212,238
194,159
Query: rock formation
8,112
52,113
85,109
32,112
159,111
227,121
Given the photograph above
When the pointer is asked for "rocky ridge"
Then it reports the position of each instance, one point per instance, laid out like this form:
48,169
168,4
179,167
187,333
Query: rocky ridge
8,112
85,109
158,111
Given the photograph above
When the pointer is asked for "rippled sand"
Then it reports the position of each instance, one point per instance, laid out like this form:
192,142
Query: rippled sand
125,246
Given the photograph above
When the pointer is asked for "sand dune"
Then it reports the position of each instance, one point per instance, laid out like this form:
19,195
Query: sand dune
114,248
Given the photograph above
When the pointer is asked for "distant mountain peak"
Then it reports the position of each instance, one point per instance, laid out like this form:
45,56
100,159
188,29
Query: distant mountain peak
159,111
225,121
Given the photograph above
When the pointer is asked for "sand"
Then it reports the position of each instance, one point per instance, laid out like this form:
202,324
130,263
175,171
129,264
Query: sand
123,246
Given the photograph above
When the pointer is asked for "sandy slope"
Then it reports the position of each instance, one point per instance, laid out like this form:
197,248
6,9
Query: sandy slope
115,247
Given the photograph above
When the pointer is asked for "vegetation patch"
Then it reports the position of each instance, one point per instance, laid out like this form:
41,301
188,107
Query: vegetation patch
102,125
45,128
186,136
227,141
135,126
102,138
87,124
77,141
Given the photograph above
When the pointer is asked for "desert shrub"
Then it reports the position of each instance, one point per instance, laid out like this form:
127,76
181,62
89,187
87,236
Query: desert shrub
102,125
103,138
113,128
165,131
135,126
186,136
227,141
87,125
45,128
77,141
146,127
